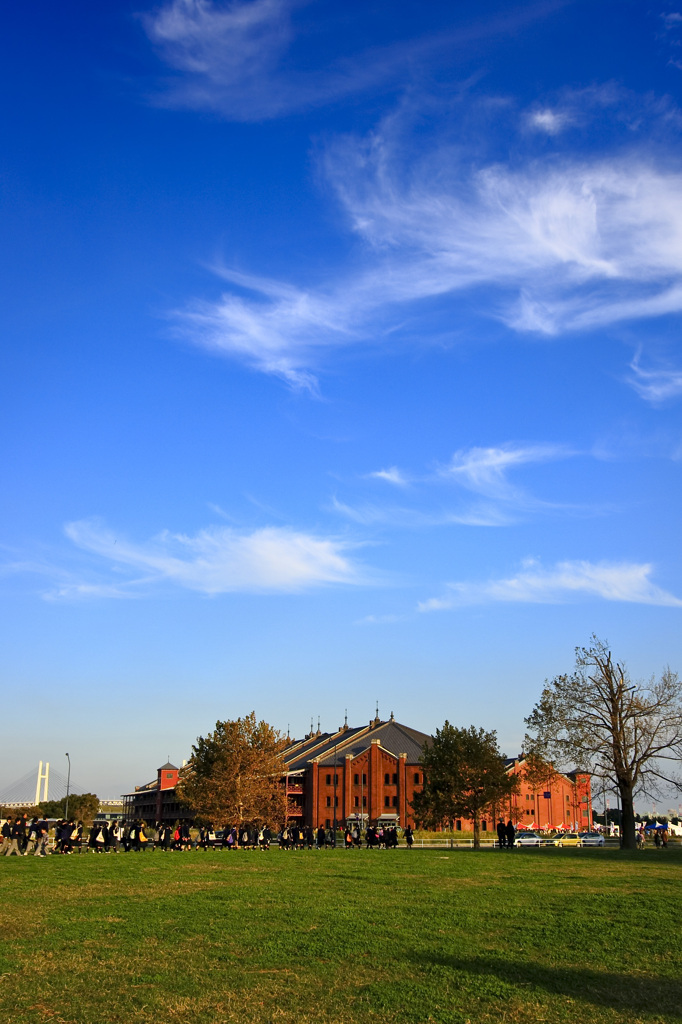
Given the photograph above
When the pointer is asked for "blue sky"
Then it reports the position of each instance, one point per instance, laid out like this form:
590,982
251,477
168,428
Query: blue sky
340,364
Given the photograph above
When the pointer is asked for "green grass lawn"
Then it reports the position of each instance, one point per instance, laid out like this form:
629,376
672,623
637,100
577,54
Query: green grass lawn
342,936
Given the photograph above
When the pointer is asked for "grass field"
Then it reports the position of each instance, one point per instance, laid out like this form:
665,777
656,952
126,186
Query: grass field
342,936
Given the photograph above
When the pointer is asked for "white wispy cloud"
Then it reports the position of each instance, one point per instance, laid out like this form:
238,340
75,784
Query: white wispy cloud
372,514
655,385
216,560
236,57
392,475
547,120
556,247
582,244
485,470
277,329
226,54
565,581
672,20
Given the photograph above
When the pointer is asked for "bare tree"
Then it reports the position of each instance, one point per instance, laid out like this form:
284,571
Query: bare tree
597,720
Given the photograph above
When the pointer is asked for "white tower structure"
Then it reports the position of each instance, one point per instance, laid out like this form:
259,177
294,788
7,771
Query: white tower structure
42,775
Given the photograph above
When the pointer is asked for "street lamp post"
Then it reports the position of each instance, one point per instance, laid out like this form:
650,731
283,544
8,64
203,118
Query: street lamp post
68,783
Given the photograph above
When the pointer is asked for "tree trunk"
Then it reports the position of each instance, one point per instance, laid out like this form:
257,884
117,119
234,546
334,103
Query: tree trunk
627,816
477,834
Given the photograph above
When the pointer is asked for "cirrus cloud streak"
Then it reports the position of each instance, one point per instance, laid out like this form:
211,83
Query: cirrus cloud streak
216,560
563,582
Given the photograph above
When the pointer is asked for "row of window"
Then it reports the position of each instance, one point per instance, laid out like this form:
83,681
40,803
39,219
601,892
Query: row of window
568,798
389,779
389,801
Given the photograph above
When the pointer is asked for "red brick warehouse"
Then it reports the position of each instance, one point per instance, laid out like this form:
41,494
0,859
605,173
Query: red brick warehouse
368,774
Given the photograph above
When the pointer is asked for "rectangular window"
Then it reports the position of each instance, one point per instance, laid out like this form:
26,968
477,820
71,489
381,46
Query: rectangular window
364,801
328,780
387,801
387,779
484,826
329,801
395,801
395,778
169,775
458,825
529,813
357,801
417,778
356,779
364,779
336,779
328,823
527,796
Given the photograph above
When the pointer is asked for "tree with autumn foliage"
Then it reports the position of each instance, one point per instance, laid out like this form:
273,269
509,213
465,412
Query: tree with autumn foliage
235,774
464,777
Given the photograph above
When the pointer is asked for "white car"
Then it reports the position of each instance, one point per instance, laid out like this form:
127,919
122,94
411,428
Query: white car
527,839
592,839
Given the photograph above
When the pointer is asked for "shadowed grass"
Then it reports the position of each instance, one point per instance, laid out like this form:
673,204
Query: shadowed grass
534,935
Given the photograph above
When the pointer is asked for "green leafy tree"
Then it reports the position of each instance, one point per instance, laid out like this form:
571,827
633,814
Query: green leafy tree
236,774
464,776
597,720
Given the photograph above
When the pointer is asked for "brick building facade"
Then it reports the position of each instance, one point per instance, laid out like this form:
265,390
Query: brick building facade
157,801
565,801
364,774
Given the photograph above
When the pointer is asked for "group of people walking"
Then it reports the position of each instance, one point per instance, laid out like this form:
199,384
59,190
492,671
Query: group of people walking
23,837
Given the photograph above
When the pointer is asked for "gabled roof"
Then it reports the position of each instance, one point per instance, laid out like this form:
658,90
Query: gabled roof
168,767
318,747
332,748
395,738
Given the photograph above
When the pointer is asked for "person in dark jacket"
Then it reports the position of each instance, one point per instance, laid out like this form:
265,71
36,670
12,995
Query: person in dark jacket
16,832
6,835
501,835
510,834
32,836
42,834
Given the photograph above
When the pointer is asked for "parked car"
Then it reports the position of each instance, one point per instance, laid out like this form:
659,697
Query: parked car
568,839
527,839
592,839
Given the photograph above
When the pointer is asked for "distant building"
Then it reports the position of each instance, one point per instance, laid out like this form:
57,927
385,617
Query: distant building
565,802
157,800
